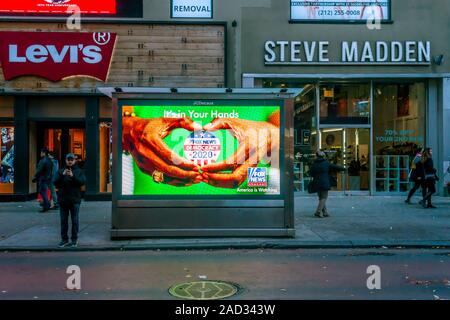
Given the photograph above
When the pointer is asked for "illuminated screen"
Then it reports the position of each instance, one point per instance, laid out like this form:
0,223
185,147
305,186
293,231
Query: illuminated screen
207,148
58,6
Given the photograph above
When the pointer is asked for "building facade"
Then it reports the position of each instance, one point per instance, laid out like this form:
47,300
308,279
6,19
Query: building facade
375,80
376,88
50,77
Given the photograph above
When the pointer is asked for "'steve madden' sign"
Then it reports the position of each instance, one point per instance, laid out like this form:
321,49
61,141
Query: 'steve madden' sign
56,55
303,53
58,6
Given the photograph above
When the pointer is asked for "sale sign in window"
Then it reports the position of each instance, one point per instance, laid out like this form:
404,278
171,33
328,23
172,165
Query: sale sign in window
58,6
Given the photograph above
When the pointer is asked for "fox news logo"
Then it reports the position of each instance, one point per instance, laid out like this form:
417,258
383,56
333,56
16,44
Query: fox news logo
257,177
202,148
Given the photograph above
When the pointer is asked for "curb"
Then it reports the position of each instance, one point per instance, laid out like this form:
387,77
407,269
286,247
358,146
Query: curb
281,245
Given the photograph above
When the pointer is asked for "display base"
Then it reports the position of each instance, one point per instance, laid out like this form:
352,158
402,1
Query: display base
163,221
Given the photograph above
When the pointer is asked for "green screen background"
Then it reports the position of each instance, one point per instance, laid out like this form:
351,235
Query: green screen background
144,184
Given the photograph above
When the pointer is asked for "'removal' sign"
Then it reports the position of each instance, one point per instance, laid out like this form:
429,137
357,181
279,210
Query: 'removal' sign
56,55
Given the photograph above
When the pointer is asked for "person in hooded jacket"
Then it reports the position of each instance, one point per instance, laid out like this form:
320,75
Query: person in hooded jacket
69,181
321,172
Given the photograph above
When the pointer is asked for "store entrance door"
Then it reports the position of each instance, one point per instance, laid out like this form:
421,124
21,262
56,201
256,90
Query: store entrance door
349,147
62,139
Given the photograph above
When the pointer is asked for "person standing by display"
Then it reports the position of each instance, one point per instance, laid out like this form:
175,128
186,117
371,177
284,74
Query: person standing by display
44,177
429,178
416,176
320,171
69,181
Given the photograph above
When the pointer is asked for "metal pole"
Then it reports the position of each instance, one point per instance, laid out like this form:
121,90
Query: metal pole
372,175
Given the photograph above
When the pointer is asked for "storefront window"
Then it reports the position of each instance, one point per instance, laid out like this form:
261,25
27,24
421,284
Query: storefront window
61,141
52,141
6,107
105,156
350,148
6,158
399,132
305,137
77,145
345,104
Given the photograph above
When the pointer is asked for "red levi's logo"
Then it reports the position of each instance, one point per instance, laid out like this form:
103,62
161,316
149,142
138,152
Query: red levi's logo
56,55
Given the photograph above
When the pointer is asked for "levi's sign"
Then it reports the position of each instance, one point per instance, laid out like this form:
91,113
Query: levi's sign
56,55
348,53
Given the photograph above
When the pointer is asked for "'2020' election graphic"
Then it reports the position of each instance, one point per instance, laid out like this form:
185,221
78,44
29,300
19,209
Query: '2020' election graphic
200,149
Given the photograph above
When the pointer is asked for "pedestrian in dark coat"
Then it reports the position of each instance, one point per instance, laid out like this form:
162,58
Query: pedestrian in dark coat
430,178
44,177
69,181
416,176
55,171
321,172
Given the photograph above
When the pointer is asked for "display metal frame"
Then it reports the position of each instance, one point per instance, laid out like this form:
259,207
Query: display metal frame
212,216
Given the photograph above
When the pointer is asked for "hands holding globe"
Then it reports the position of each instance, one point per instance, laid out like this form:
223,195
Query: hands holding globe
144,140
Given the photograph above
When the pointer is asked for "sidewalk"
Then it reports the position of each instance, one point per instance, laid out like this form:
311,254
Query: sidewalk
354,222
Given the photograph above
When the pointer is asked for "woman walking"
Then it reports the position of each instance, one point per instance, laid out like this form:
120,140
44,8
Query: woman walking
429,178
416,176
320,171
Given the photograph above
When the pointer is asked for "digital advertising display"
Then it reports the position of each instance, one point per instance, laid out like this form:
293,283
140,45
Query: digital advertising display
340,10
223,148
58,6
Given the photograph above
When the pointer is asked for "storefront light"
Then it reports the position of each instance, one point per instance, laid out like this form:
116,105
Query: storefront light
331,130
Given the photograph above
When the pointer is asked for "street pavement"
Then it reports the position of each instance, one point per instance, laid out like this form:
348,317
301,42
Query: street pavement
354,222
261,274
